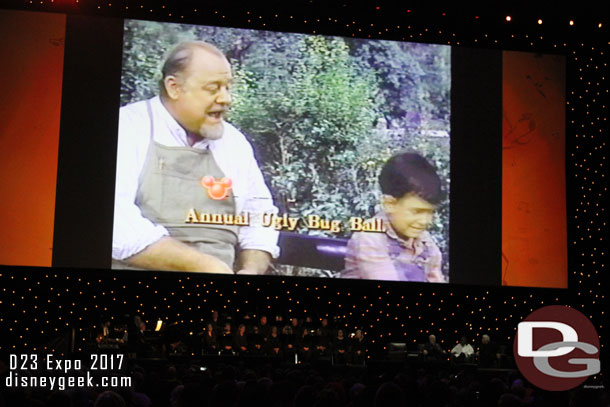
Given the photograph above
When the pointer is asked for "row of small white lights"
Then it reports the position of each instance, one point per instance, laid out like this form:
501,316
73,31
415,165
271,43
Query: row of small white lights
509,18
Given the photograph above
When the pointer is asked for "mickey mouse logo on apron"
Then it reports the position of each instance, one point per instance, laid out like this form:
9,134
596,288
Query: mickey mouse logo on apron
217,189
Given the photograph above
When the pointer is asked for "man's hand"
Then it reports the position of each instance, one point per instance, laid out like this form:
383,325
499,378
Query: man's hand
170,254
254,261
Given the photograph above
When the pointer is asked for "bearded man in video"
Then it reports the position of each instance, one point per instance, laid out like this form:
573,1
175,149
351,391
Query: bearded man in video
189,190
405,251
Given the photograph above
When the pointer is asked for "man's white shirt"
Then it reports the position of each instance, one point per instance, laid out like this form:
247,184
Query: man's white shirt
232,152
458,349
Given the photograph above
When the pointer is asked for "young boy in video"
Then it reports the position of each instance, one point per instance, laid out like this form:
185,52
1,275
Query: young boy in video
405,251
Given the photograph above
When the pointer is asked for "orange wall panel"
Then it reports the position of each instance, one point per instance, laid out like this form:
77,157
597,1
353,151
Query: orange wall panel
534,233
32,49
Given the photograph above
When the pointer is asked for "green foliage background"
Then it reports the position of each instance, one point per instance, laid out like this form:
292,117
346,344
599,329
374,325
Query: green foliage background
323,113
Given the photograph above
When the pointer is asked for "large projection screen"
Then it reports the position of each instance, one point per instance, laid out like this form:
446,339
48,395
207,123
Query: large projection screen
317,119
323,115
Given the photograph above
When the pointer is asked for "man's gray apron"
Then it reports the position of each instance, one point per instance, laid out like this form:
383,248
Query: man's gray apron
170,186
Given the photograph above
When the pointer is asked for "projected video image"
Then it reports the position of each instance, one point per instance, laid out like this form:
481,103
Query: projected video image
255,152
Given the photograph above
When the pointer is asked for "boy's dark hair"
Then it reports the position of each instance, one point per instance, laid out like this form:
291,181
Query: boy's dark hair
410,173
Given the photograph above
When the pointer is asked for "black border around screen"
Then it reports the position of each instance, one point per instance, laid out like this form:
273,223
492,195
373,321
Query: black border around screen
88,142
475,232
88,138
